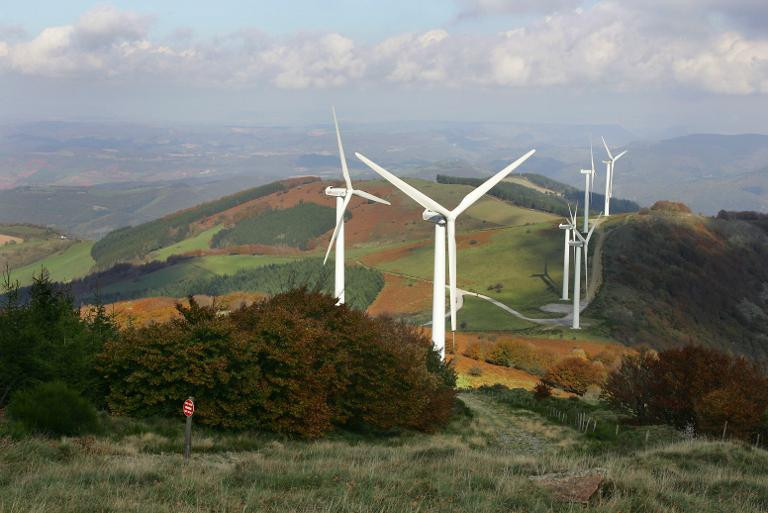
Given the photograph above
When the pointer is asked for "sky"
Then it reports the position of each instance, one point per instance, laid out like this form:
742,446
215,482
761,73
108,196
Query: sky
653,66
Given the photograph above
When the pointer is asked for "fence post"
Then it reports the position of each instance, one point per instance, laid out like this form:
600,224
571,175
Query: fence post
725,428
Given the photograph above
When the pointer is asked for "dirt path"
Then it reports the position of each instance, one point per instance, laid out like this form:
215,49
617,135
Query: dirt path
518,431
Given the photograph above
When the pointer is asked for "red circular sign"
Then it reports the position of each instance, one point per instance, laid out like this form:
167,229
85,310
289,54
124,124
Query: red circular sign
188,408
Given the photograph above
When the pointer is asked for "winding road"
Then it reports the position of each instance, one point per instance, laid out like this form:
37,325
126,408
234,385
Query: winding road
595,273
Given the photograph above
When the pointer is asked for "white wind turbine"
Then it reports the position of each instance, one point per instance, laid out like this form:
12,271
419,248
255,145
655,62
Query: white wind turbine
589,180
443,219
569,226
580,244
343,196
609,176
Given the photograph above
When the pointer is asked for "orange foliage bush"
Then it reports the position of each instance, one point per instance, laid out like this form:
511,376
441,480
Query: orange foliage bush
692,386
294,364
520,355
542,391
575,375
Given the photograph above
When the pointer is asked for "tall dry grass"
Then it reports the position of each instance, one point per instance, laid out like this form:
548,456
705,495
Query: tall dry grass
481,463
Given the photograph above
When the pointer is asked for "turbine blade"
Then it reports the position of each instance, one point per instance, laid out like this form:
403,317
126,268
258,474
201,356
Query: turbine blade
591,230
606,148
342,157
409,190
592,155
339,221
486,186
370,196
452,269
579,235
620,155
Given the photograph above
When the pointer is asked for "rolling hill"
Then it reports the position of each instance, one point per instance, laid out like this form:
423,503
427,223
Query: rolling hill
673,278
26,248
670,277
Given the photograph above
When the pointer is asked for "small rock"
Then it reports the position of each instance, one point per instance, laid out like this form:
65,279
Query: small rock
572,486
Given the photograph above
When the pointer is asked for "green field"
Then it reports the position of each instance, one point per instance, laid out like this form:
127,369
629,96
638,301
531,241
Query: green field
200,241
513,257
73,262
481,315
482,462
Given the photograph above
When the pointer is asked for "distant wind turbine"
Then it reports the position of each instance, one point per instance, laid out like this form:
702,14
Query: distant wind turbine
589,180
569,226
609,165
443,219
343,196
580,245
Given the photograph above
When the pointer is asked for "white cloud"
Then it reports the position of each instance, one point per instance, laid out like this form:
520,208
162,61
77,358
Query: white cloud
731,65
330,60
609,46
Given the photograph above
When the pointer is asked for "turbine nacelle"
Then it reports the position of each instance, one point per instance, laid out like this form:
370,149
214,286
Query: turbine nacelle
337,192
433,217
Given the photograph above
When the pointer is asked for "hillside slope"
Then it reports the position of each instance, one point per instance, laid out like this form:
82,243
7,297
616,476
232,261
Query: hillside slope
673,278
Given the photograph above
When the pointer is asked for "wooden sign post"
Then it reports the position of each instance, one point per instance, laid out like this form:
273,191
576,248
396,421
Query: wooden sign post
189,409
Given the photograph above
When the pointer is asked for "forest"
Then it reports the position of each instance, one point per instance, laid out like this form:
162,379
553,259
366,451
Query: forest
363,284
294,227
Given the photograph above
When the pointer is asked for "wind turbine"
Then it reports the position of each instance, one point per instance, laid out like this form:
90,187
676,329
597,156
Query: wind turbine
589,180
609,176
443,219
568,227
343,196
580,244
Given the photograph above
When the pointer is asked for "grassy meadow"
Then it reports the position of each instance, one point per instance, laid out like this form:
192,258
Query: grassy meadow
480,463
516,257
65,265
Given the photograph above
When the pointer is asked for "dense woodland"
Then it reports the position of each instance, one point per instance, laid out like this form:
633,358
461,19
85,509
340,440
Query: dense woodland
364,284
294,227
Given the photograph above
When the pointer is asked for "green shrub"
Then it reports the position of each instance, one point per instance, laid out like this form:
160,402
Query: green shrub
54,409
475,371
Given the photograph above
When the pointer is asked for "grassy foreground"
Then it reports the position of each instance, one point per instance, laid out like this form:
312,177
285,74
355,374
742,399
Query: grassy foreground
481,463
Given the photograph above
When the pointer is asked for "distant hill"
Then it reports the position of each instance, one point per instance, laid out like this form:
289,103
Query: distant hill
549,195
708,172
673,278
131,243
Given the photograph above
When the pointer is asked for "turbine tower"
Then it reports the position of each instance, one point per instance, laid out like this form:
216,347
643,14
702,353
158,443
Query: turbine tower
343,195
589,180
445,221
569,226
609,164
579,244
